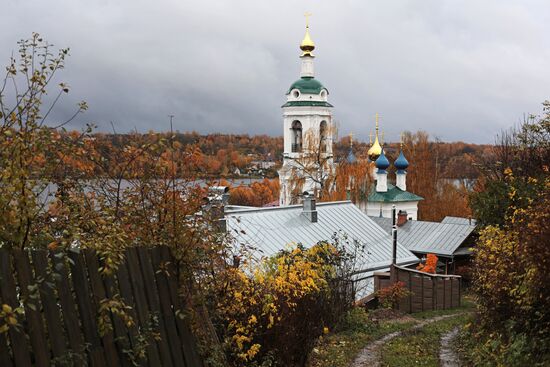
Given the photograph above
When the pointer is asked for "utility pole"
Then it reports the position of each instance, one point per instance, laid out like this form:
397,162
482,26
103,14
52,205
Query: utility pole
393,270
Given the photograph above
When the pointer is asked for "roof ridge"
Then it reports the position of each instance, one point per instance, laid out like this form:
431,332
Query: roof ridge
286,207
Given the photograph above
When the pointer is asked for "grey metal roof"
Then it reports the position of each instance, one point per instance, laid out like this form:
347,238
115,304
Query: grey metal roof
429,237
272,229
459,220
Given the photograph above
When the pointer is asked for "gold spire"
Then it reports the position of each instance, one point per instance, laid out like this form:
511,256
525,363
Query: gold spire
375,150
307,45
351,140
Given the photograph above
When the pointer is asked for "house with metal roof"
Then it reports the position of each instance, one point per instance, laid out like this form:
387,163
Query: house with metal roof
449,239
268,230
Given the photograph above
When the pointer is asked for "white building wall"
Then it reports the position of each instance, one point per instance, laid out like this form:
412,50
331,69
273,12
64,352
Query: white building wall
373,209
310,118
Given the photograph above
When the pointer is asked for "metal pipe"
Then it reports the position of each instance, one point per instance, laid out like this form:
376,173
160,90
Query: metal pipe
394,235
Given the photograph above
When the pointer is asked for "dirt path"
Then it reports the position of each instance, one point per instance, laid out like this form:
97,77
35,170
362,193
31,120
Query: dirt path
369,356
447,355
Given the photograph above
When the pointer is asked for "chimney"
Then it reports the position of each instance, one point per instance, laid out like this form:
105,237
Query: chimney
310,212
401,218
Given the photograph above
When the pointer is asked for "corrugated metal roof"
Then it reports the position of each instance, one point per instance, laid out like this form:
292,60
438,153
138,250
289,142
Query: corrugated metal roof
393,195
459,220
272,229
429,237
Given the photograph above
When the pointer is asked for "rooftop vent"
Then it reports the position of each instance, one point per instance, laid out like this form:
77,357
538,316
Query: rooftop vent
401,218
310,211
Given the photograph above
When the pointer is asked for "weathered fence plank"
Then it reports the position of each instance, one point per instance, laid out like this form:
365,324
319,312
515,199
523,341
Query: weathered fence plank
166,306
49,304
98,292
5,359
191,355
128,298
87,314
18,341
68,305
32,305
146,318
67,297
154,303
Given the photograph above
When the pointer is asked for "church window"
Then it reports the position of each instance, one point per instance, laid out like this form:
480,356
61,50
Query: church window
323,133
296,136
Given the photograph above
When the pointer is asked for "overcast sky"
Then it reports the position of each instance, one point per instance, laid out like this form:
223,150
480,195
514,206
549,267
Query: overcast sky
460,70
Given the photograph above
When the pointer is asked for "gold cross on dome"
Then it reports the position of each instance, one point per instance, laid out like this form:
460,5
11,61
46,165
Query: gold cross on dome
370,138
307,15
402,140
351,139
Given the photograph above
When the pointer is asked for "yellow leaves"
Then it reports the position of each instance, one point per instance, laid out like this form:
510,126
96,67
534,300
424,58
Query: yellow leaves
6,308
8,316
265,297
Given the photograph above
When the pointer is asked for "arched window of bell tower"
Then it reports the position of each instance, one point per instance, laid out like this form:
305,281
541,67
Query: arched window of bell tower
323,136
296,136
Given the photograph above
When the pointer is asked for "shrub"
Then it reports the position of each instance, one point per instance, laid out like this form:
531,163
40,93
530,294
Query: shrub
272,314
511,277
389,297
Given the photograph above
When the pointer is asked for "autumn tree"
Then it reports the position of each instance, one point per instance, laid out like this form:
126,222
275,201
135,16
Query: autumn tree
31,151
524,151
424,177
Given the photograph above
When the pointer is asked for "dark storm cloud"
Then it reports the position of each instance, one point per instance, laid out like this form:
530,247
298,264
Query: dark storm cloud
459,70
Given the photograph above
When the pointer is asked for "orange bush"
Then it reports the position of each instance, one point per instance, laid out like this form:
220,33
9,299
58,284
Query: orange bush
430,266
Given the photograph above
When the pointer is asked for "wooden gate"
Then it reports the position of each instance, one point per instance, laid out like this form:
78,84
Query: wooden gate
65,311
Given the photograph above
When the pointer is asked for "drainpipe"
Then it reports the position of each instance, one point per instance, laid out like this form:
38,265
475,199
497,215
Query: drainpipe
393,270
394,236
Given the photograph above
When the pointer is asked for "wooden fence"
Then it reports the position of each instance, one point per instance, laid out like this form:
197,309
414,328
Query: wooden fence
427,291
64,306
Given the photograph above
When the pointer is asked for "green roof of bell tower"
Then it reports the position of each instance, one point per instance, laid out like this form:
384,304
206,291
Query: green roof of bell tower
307,85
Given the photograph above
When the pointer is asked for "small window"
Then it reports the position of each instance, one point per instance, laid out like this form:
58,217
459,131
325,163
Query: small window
296,93
323,135
296,137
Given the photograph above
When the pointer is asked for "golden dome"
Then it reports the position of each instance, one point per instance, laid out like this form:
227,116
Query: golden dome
307,45
376,149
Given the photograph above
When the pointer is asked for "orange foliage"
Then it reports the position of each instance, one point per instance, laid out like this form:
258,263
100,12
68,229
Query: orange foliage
257,194
430,266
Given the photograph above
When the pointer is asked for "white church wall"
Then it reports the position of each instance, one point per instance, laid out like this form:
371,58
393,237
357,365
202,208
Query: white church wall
374,208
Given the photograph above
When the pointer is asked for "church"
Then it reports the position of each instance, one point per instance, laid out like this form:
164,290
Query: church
307,172
308,161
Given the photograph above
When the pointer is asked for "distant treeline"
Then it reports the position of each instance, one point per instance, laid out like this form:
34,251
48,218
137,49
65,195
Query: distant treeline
224,153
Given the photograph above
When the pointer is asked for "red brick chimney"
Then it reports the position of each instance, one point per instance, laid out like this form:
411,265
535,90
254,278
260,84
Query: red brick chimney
401,218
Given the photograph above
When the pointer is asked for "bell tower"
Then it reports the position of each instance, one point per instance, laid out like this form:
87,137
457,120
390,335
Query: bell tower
308,132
